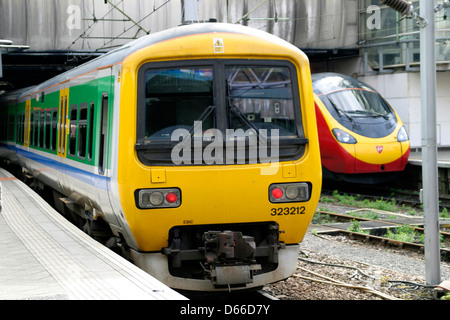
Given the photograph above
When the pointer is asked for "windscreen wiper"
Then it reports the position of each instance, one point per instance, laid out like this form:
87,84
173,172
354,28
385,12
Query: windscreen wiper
340,111
238,113
370,113
198,123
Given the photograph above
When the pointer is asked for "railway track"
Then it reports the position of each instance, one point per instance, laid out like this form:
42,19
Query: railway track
375,230
402,197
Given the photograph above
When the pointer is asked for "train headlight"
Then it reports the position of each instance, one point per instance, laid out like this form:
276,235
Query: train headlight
292,192
158,198
289,192
402,135
343,137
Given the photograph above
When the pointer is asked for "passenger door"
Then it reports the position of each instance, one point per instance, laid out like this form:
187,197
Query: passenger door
63,127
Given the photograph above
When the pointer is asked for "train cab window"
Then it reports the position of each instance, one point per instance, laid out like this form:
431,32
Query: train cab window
355,105
175,98
261,97
213,104
73,129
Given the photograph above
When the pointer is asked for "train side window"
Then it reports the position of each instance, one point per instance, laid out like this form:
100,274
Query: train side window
73,129
41,128
103,135
19,138
91,131
22,129
54,128
3,127
22,126
36,129
31,128
82,130
48,132
17,125
11,122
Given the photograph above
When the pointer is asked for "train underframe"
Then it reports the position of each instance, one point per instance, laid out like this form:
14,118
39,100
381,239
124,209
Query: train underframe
221,275
224,257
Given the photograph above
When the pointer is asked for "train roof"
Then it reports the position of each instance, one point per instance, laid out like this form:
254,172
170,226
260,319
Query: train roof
11,97
327,82
118,55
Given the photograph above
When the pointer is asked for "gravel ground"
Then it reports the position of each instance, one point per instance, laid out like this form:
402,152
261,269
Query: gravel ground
377,269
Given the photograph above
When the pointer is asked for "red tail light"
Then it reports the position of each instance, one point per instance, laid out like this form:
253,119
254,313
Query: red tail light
171,197
289,192
277,193
158,198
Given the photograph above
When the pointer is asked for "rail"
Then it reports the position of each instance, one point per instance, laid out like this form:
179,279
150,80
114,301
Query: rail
376,224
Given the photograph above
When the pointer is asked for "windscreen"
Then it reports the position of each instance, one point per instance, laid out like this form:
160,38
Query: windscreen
261,98
355,105
360,101
218,110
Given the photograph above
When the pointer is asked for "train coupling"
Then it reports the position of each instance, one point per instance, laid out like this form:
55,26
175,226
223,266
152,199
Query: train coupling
226,258
230,257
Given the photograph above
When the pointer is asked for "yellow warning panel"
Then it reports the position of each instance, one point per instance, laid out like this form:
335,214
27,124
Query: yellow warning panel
218,45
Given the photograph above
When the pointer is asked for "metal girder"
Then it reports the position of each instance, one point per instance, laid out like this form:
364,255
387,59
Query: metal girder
6,46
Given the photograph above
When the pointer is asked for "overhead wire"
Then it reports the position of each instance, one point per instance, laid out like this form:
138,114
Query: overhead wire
406,29
154,10
90,28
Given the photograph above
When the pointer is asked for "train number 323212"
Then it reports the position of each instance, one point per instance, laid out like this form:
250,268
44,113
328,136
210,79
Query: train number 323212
287,211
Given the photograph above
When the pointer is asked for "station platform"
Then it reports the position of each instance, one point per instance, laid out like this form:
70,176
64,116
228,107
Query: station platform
45,257
411,178
443,157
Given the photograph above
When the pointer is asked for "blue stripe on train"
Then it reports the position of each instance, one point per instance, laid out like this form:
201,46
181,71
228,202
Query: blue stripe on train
96,180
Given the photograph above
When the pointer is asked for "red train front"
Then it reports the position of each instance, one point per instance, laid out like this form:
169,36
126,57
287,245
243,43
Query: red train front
362,139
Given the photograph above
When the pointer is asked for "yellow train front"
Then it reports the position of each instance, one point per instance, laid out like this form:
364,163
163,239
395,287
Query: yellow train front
362,139
218,168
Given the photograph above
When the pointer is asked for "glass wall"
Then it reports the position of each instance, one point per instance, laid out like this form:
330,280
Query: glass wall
390,40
